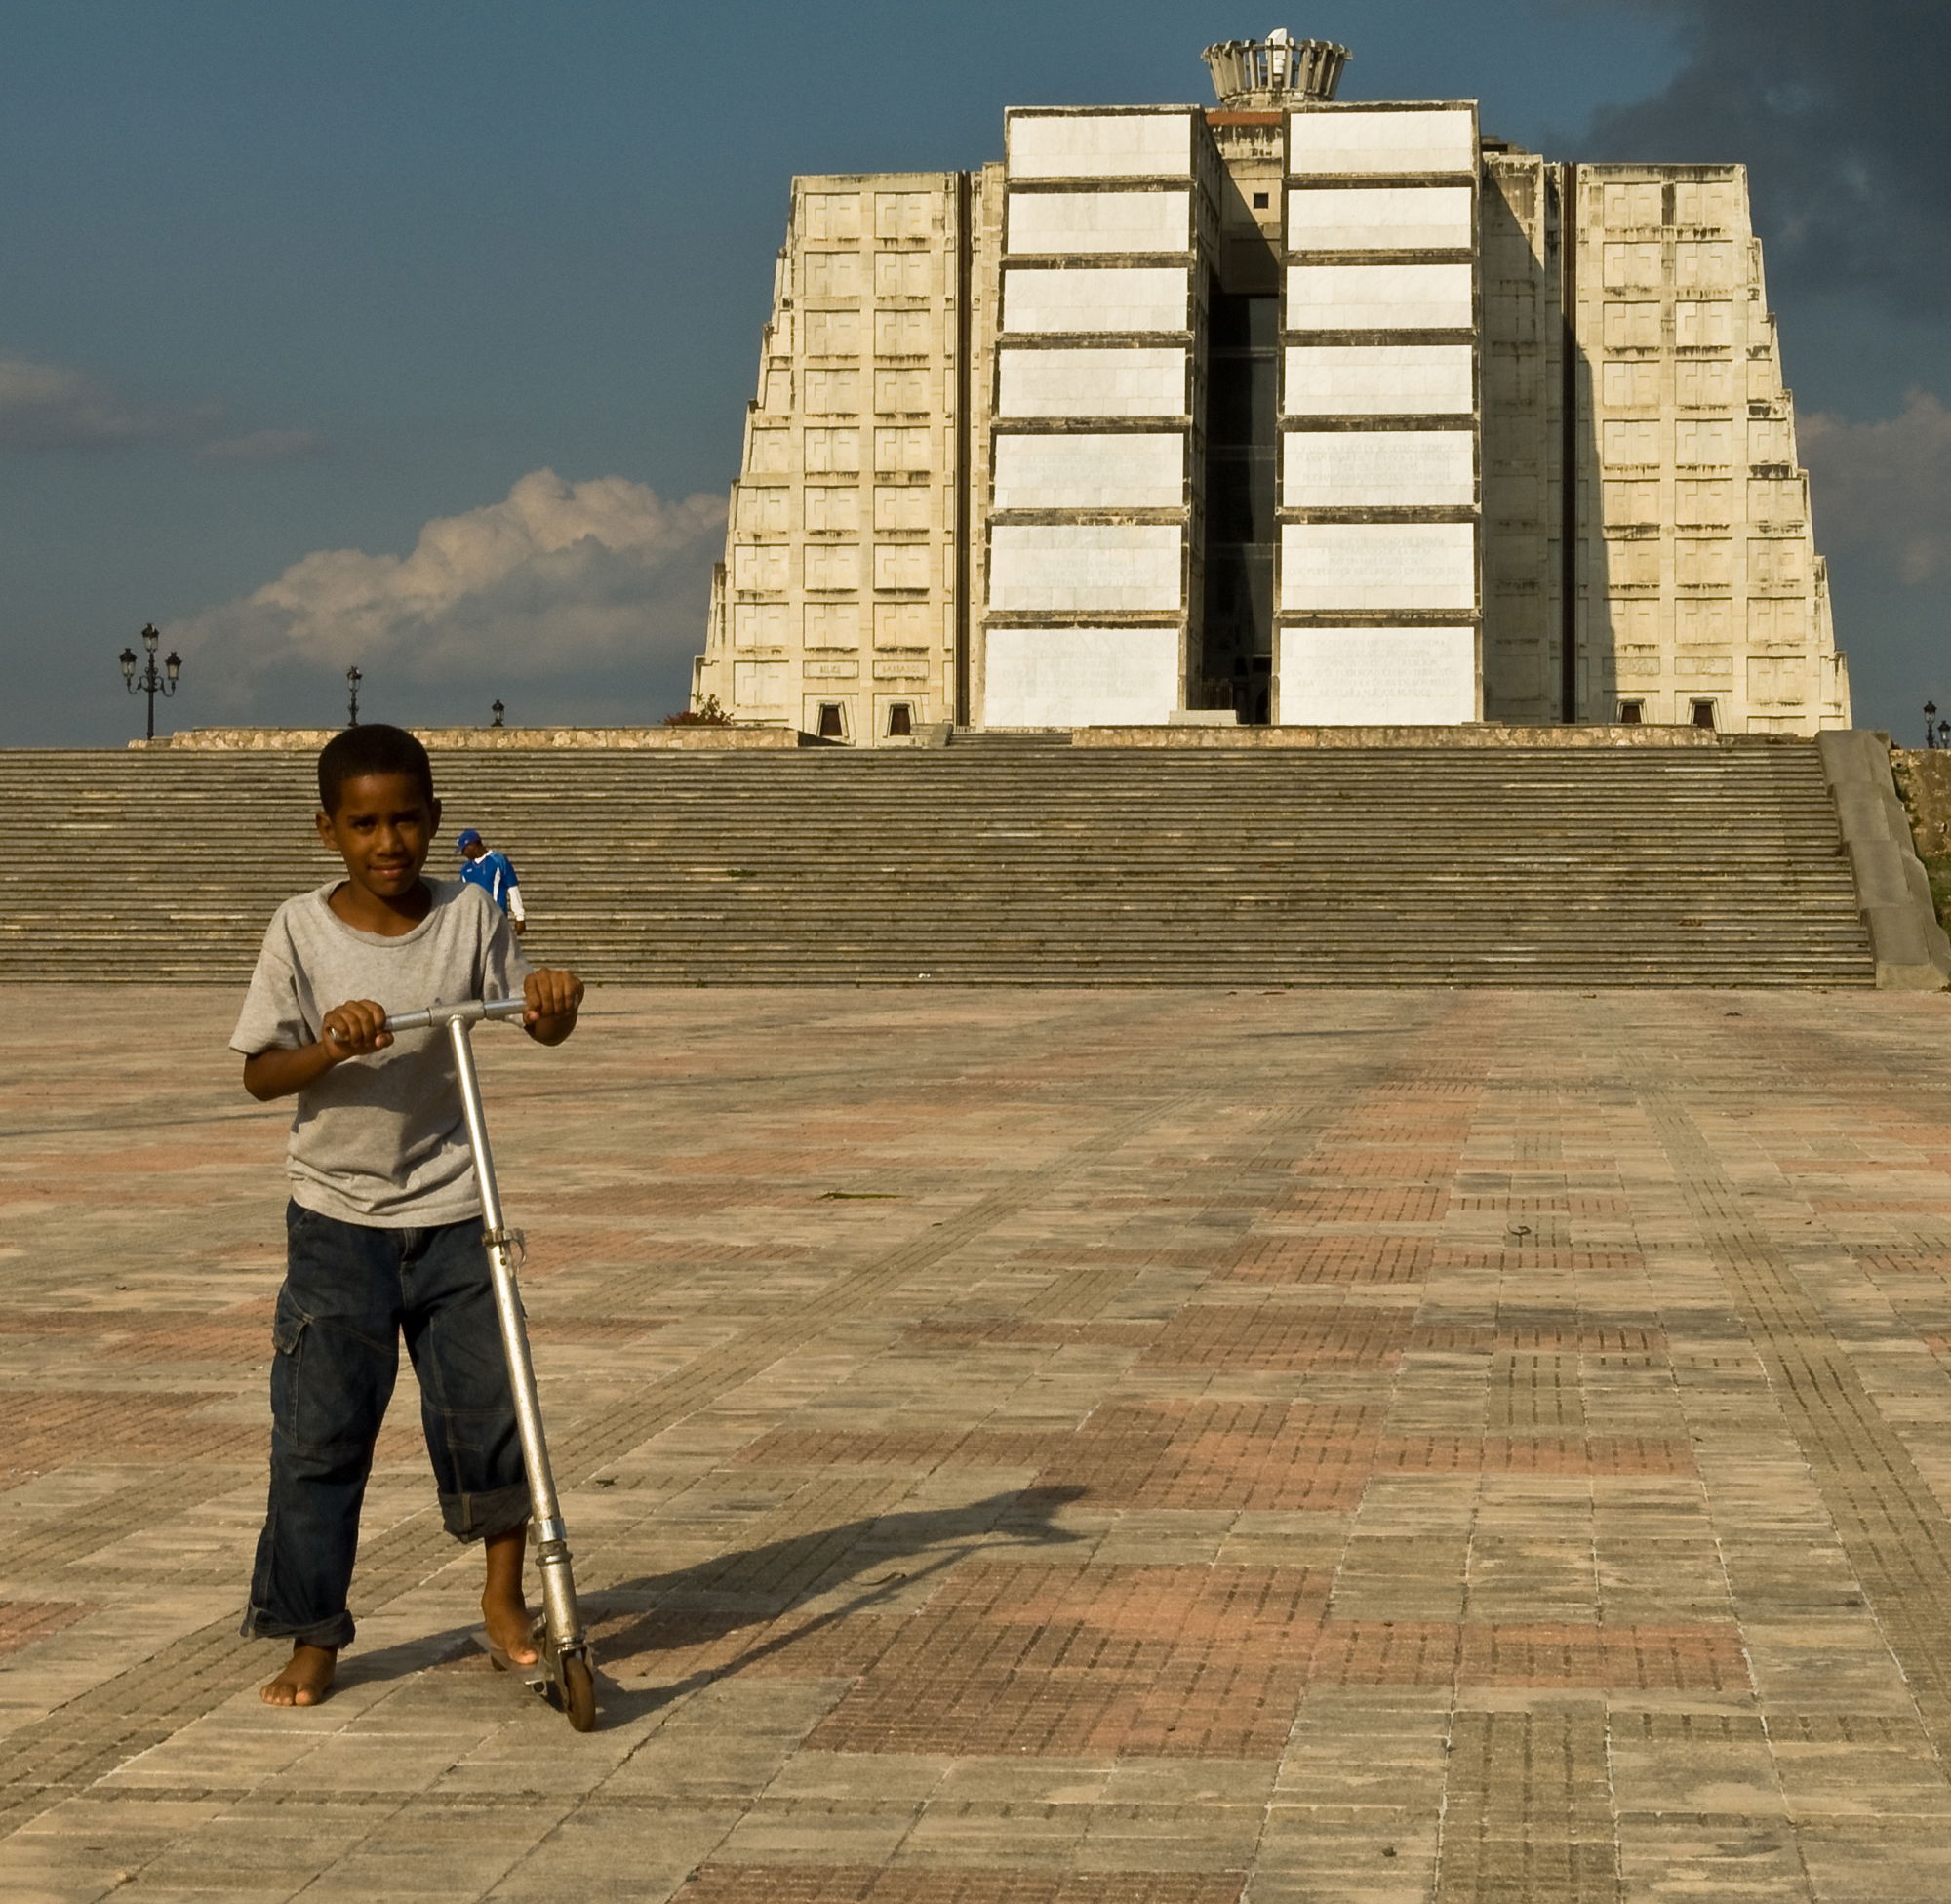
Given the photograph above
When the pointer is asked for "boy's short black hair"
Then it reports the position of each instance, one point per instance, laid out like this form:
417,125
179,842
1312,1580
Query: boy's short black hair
374,748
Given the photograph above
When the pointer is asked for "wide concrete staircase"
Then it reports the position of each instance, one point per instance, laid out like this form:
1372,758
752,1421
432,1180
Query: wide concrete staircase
999,863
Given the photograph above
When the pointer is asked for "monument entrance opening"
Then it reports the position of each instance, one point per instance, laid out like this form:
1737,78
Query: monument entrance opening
1236,642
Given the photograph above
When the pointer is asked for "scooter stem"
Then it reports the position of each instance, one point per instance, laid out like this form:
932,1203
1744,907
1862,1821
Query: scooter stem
561,1614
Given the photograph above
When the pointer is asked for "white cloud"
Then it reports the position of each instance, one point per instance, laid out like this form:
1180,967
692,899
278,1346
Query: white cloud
265,446
56,407
1885,487
559,578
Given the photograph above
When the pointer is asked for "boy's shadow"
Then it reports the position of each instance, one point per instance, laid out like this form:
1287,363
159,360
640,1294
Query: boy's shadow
760,1586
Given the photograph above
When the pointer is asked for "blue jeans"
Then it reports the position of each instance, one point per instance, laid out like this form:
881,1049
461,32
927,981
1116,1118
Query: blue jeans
350,1293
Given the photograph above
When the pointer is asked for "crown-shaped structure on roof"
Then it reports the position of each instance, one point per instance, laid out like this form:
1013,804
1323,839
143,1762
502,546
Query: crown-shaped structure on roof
1278,71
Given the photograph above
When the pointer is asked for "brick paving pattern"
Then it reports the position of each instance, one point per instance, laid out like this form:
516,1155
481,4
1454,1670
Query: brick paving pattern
1038,1448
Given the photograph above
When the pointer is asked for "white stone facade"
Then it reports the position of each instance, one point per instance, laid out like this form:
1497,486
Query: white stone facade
1087,616
1381,612
1520,447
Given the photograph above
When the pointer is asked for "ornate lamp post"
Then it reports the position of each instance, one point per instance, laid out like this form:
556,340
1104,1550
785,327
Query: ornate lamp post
497,710
352,679
149,682
1931,724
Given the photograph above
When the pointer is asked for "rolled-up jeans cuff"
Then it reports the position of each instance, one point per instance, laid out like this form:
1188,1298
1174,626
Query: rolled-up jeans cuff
481,1517
334,1632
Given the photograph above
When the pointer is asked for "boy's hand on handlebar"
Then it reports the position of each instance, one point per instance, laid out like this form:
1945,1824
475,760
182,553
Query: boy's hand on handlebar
355,1030
554,1000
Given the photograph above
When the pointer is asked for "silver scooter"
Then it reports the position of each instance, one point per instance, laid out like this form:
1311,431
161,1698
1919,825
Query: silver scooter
563,1669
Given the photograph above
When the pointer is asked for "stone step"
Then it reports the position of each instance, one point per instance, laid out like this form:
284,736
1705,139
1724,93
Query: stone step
1004,858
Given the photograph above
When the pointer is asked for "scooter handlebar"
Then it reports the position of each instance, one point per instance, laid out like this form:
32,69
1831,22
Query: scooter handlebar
468,1012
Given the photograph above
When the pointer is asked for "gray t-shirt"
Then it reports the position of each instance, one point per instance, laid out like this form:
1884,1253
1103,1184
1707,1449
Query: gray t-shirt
380,1139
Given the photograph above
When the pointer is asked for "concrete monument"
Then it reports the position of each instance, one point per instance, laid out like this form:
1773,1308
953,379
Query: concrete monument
1307,410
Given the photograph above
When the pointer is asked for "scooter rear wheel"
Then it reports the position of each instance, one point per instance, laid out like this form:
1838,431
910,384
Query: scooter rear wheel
578,1692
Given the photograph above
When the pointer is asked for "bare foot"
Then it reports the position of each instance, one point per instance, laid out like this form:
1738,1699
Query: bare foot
510,1630
503,1611
306,1679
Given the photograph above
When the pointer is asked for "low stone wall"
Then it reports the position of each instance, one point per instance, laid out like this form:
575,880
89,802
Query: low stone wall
308,741
1912,951
1924,779
1486,735
706,739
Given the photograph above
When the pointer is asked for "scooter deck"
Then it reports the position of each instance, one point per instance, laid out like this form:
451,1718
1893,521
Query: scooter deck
534,1674
565,1677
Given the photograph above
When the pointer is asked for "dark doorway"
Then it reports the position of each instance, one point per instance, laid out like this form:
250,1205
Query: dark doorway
1234,664
830,727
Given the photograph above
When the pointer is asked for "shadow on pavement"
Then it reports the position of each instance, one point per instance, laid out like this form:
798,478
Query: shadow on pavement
759,1586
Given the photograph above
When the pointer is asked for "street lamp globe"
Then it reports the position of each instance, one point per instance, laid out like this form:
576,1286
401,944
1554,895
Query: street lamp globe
172,666
127,658
150,637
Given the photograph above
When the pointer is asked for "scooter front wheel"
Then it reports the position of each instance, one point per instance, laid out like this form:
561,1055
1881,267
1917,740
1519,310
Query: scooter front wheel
578,1692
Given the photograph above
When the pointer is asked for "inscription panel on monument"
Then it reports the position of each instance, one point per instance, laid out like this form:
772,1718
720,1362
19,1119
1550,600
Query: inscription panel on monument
1125,471
1380,297
1103,298
1099,145
1114,382
1053,223
1354,469
1088,567
1377,677
1379,565
1347,139
1380,219
1074,677
1380,379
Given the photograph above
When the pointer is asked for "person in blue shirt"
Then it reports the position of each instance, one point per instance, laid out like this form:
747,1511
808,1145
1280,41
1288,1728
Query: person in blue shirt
494,874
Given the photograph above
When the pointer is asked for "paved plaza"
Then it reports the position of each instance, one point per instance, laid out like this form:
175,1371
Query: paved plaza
1037,1447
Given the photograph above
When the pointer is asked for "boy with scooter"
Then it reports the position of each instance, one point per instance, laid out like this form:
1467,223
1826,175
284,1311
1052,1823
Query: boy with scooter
384,1226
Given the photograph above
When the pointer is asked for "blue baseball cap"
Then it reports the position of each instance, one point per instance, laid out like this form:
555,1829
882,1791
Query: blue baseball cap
468,838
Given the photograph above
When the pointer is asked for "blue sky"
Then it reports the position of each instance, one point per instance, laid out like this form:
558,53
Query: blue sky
294,285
